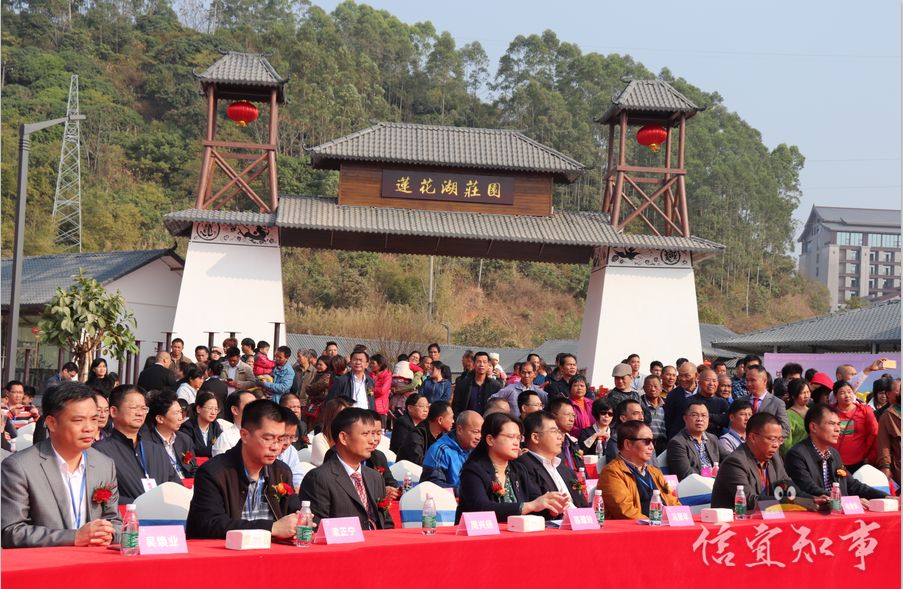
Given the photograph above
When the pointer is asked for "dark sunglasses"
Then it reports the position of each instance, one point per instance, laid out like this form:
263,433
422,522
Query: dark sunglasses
609,413
646,441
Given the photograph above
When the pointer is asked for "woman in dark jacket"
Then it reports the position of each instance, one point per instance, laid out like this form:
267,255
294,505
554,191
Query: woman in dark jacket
202,427
99,378
316,393
492,480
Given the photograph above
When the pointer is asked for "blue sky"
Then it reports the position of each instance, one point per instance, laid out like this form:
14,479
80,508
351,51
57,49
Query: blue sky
822,75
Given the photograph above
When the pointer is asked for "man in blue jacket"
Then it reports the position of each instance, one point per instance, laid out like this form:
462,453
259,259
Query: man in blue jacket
445,458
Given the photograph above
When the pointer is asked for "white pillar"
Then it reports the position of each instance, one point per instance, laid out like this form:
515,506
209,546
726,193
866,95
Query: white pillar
639,301
232,282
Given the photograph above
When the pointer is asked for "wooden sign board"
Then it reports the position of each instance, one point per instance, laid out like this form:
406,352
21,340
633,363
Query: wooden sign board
447,187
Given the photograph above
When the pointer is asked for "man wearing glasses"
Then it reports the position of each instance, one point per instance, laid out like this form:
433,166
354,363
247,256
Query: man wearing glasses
443,461
542,463
694,450
141,465
756,465
628,481
247,487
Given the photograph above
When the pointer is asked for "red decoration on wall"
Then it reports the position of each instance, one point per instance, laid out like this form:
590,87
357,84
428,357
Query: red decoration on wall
242,113
652,136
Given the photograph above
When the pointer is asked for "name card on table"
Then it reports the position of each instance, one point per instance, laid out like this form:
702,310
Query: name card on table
579,518
339,530
162,540
672,481
478,523
851,505
679,515
770,509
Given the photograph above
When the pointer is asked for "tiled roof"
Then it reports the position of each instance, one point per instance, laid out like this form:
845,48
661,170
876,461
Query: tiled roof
709,333
859,217
249,69
179,222
851,330
458,147
563,228
648,95
42,275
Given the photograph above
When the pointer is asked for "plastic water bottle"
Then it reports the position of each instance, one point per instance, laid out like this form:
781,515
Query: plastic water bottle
835,498
740,503
581,478
600,453
129,538
408,483
599,507
655,508
428,517
304,529
715,470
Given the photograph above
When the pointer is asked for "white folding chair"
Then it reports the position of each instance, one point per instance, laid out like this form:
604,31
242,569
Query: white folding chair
165,504
402,466
411,505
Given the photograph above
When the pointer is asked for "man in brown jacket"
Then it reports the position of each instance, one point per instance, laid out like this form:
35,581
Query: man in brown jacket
889,435
627,482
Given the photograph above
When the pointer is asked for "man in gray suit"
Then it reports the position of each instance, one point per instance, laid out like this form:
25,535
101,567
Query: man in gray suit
761,400
756,465
52,494
693,450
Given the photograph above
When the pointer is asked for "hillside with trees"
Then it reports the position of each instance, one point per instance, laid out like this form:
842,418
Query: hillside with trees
346,69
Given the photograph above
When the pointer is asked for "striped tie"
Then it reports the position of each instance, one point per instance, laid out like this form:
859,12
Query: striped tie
362,494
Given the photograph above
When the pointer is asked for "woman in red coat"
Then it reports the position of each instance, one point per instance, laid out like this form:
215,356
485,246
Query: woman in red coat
382,379
858,428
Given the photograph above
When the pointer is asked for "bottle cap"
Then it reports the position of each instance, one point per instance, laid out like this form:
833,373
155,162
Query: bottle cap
739,487
597,493
305,504
131,507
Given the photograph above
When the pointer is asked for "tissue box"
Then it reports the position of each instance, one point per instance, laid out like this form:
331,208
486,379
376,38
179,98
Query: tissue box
526,523
717,515
248,539
883,505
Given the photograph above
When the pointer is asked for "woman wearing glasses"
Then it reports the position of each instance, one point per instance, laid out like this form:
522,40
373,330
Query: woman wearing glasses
628,481
492,480
600,431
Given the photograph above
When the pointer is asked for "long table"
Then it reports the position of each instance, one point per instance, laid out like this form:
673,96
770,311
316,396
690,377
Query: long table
811,549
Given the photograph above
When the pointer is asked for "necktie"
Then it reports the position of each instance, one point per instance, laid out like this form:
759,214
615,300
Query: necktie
756,401
362,494
763,474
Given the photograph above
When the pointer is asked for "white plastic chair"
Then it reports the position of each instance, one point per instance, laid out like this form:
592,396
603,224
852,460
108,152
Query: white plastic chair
399,468
165,504
383,445
411,505
696,491
390,456
304,454
306,467
661,460
871,476
25,436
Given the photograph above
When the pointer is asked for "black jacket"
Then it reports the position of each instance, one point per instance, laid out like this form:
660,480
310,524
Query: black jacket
537,473
129,470
342,386
402,428
804,467
156,378
332,494
220,492
417,444
475,489
193,431
461,400
183,444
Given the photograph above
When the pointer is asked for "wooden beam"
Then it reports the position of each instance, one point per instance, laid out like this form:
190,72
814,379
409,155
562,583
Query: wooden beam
650,201
643,217
250,179
234,181
231,173
240,145
273,139
625,168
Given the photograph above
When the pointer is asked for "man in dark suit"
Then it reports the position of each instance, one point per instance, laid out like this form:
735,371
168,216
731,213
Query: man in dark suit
761,400
217,386
343,486
693,450
814,464
49,492
158,376
542,463
562,411
677,399
416,408
473,390
438,421
246,487
355,384
756,465
140,464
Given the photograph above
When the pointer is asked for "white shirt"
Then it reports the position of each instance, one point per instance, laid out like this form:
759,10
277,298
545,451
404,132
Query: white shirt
551,467
170,447
75,490
187,392
290,457
360,391
226,440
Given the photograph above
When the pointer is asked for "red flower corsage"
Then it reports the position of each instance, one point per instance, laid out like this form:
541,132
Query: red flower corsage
498,490
380,469
187,457
101,495
579,487
384,504
284,489
841,472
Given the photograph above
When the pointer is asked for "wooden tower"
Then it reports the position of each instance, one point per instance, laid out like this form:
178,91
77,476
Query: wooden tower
240,77
657,195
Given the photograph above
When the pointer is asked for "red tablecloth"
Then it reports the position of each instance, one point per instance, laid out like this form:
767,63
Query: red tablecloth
651,556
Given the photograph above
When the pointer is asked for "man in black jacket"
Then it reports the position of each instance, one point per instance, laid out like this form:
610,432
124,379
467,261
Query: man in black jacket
355,384
439,421
474,389
246,487
158,376
814,464
542,463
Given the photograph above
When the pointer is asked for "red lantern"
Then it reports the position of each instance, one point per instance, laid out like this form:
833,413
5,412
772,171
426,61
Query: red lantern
652,136
242,113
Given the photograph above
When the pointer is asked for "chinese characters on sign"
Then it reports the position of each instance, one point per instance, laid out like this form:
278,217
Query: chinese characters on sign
716,549
445,187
